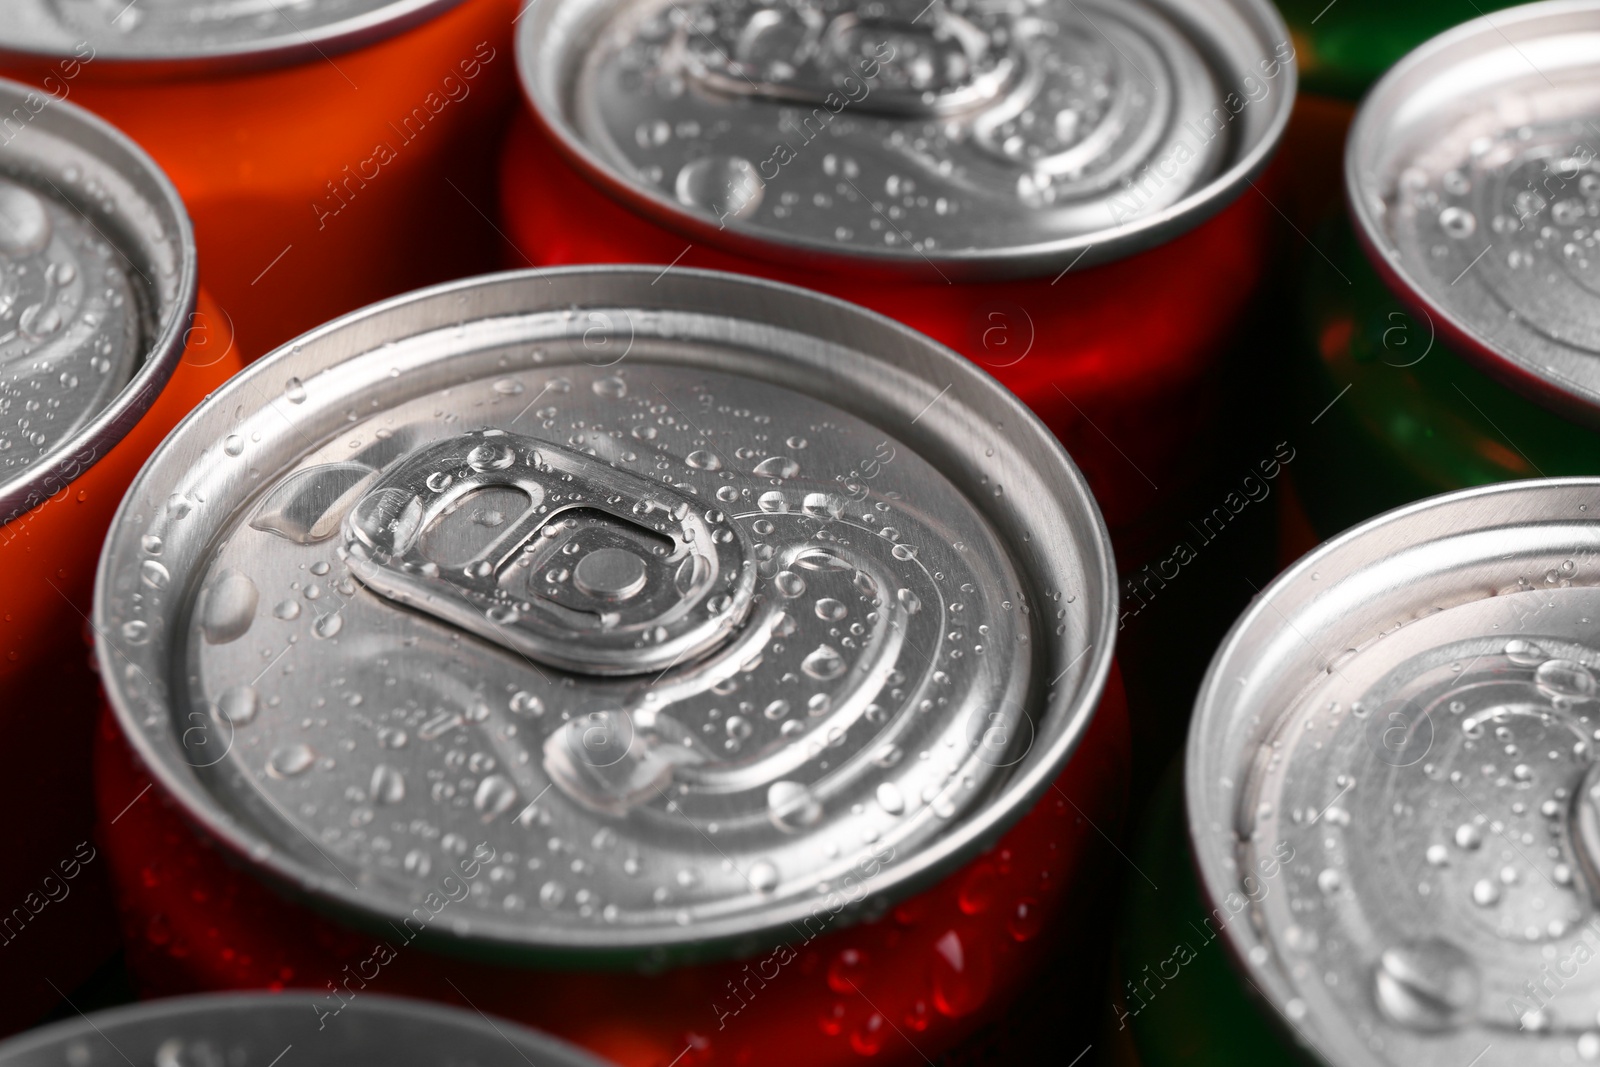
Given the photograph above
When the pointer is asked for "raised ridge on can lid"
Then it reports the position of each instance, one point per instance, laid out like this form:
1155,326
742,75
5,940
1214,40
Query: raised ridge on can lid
254,1028
986,138
1393,790
190,32
97,281
675,605
1473,170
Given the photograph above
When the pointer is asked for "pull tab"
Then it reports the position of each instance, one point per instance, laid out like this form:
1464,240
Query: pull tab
552,553
913,60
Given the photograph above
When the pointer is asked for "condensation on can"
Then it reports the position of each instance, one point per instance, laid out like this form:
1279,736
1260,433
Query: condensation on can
655,613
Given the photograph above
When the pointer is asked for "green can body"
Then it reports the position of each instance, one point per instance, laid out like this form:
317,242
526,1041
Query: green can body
1343,46
1390,414
1178,999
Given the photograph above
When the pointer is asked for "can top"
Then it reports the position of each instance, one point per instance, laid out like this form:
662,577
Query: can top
212,33
658,625
97,281
1393,794
253,1028
1473,171
966,138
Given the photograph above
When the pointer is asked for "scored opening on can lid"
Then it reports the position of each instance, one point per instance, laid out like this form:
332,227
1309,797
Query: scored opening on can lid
676,607
985,139
97,283
254,1028
203,33
1393,796
1473,172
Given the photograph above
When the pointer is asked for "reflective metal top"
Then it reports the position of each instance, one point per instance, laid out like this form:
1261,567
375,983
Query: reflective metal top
1005,136
252,1029
688,599
191,31
97,279
1393,791
1474,176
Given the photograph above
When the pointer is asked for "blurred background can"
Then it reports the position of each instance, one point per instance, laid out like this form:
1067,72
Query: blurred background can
1390,801
701,669
105,343
1064,198
256,1028
330,154
1449,332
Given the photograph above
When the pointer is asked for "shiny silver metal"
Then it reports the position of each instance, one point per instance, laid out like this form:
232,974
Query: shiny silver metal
256,1028
688,597
1389,783
1473,171
985,140
203,34
97,283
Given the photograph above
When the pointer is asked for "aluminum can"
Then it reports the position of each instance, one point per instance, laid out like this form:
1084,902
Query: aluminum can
1346,46
330,153
255,1028
105,343
651,658
1015,183
1450,333
1389,786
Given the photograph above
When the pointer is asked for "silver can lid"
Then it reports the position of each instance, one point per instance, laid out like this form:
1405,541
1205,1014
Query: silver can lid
97,280
1473,169
224,33
672,620
1392,785
255,1028
976,138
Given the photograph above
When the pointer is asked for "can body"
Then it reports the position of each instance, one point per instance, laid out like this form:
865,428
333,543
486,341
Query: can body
1345,47
1129,385
944,966
322,185
1399,416
57,926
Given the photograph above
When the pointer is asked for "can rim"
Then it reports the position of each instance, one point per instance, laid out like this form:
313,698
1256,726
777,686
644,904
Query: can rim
970,265
1212,710
978,828
41,481
285,49
176,1009
1366,133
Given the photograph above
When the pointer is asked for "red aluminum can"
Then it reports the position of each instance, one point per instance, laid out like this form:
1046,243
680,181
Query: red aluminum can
837,790
105,343
1061,195
329,155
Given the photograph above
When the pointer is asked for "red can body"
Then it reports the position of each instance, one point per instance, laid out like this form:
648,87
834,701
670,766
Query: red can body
326,184
1119,360
56,925
941,968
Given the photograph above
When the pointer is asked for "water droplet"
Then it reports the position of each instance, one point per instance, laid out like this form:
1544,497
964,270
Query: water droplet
328,625
1427,985
153,574
388,785
791,806
233,444
889,798
831,610
491,456
294,391
612,387
1485,893
772,502
700,459
777,709
151,544
909,601
777,467
238,705
1330,880
287,610
495,794
725,186
136,631
1525,653
1564,679
290,760
229,609
823,663
1468,836
789,583
764,876
525,703
1457,222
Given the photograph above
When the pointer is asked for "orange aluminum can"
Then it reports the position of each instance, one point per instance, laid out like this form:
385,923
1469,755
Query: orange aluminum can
105,343
330,153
